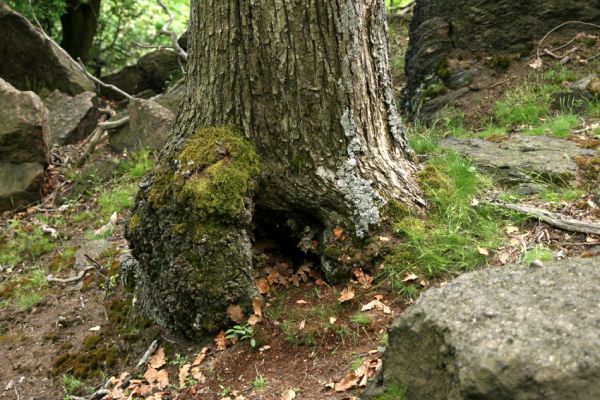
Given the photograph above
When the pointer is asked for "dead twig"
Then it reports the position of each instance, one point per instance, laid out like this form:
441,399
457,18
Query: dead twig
80,276
98,134
537,52
553,219
166,30
151,349
101,83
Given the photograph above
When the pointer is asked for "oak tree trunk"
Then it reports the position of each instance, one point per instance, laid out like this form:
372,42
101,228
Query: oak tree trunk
308,84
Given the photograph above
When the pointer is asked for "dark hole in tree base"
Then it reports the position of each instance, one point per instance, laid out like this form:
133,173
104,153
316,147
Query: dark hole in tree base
277,236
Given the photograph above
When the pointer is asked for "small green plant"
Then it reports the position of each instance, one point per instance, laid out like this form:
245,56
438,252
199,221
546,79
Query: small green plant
224,391
260,383
361,319
70,384
393,391
242,332
540,253
180,360
116,200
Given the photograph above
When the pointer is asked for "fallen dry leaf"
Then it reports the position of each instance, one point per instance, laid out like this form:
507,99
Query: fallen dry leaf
289,394
257,306
301,302
365,280
410,278
537,63
302,324
158,359
184,372
510,229
235,313
221,341
338,233
262,285
347,382
201,356
254,319
346,295
483,251
332,320
264,348
162,379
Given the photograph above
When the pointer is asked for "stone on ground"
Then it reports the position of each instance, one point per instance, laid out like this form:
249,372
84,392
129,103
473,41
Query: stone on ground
148,127
23,148
31,62
520,159
508,333
71,119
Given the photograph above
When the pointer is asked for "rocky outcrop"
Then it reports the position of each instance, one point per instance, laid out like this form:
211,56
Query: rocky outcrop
71,119
171,99
152,72
442,29
514,332
520,159
148,127
23,146
31,62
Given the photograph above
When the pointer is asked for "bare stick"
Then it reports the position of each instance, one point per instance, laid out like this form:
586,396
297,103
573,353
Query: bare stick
97,135
556,220
147,354
80,276
99,82
537,52
166,30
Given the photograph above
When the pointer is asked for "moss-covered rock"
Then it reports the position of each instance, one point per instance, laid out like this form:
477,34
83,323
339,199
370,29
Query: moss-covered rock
189,231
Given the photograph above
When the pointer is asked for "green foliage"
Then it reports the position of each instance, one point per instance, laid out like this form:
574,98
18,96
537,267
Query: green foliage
48,12
361,319
393,391
260,383
525,104
242,332
538,253
117,199
447,241
23,241
180,360
70,384
560,125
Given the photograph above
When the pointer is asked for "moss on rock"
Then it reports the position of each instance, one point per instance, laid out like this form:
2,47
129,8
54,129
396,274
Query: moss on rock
192,239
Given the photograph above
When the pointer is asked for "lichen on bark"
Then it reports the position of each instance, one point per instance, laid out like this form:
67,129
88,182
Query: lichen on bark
189,231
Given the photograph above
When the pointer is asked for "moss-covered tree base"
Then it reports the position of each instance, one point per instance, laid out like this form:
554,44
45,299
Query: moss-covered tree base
189,232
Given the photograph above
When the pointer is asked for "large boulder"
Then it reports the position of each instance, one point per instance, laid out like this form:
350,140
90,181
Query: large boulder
148,127
510,333
521,158
23,148
31,62
442,30
71,119
152,72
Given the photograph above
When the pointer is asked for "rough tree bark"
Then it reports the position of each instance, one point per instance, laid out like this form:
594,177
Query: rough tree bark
307,83
79,24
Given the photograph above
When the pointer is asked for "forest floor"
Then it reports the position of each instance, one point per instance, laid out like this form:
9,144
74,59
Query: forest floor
305,338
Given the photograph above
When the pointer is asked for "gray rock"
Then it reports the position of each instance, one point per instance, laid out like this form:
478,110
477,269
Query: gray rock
447,29
23,148
20,184
172,98
71,119
148,127
152,72
520,158
509,333
93,248
31,62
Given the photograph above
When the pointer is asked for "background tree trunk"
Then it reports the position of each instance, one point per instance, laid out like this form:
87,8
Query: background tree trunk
79,25
308,84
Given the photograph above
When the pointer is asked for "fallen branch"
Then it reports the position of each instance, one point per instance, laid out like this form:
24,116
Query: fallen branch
97,135
80,276
103,84
537,52
166,30
553,219
151,349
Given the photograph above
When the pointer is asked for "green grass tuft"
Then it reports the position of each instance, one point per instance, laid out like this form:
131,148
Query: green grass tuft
538,253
